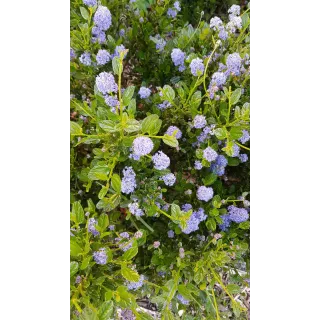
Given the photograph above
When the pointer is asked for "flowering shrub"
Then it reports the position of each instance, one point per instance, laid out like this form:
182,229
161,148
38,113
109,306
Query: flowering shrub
159,162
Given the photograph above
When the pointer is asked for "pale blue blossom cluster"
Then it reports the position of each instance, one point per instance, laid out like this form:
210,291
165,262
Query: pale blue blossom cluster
100,256
194,220
169,179
160,160
205,193
218,167
91,227
164,105
103,56
182,299
243,157
122,244
217,25
72,54
207,130
234,63
198,165
209,154
90,3
105,83
225,222
102,18
170,131
144,92
134,209
172,12
85,59
112,102
245,137
199,121
161,43
238,215
119,49
128,182
235,151
197,67
142,146
178,58
136,285
170,234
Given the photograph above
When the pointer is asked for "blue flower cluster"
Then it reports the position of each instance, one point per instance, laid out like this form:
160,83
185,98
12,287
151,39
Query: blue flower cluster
102,22
178,58
103,56
144,92
164,105
199,121
218,167
105,83
172,12
85,59
209,154
194,220
90,3
234,63
136,285
134,209
243,157
205,193
100,256
182,299
170,234
124,235
91,227
169,179
238,215
160,160
245,137
142,146
72,54
172,129
128,182
198,165
197,67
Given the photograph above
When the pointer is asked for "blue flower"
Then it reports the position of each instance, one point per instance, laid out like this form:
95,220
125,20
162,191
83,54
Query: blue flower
234,63
197,67
136,285
238,215
105,83
144,92
199,121
100,256
245,137
205,193
90,3
85,59
169,179
198,165
102,18
182,299
172,129
243,157
91,227
103,56
128,182
170,234
178,57
142,146
161,161
209,154
134,209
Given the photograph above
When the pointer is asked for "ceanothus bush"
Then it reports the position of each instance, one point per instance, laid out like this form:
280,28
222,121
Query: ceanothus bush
160,143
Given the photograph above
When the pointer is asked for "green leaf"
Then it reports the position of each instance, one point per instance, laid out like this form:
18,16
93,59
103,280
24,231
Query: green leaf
88,314
103,222
74,266
195,100
116,183
168,93
85,263
129,274
151,124
214,212
221,133
244,225
127,95
108,126
132,107
75,249
77,212
170,141
99,173
130,253
75,129
235,133
132,125
103,192
116,65
235,96
233,288
211,224
184,291
209,179
84,13
106,310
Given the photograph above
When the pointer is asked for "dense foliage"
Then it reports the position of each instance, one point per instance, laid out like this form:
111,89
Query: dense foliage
159,161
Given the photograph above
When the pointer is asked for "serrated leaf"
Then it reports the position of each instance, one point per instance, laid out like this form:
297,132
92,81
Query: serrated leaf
74,266
129,274
170,141
99,173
